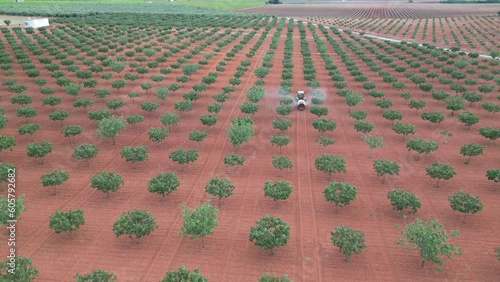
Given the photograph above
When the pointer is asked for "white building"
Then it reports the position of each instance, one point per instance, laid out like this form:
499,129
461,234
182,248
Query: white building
36,23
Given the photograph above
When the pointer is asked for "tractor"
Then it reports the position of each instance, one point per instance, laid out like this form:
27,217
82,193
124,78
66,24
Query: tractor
300,99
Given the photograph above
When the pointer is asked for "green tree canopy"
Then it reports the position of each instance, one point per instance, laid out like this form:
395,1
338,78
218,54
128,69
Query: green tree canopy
70,221
348,240
136,223
402,200
339,193
163,184
220,187
200,221
430,240
465,203
269,233
106,181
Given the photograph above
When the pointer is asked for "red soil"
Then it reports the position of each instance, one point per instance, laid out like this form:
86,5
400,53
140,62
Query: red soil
390,9
228,255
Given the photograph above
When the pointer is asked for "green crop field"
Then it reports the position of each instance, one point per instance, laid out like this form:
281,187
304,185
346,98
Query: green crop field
213,4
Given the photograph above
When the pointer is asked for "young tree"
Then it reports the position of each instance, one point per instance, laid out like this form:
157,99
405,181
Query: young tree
157,134
433,117
348,240
183,156
325,141
162,94
100,275
417,104
358,114
82,103
39,150
101,93
465,203
26,112
373,142
403,199
54,178
199,222
134,119
134,154
183,105
282,162
23,270
73,89
59,115
6,142
106,181
491,107
471,150
233,160
421,146
278,190
269,233
209,120
490,132
279,140
339,193
85,151
429,239
468,118
249,108
440,171
136,223
392,115
51,100
115,104
221,187
99,114
240,133
363,126
3,120
282,124
214,107
163,184
197,135
110,127
169,119
29,128
118,84
455,103
447,134
329,163
62,221
472,97
352,99
183,274
149,106
493,174
403,129
323,125
319,111
383,167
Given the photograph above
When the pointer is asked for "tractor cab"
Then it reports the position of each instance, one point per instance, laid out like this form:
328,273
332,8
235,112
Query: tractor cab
301,95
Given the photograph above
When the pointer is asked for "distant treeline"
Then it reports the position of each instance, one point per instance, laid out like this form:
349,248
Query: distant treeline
468,1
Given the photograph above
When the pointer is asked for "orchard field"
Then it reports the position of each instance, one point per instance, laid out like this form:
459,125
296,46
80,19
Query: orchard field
182,80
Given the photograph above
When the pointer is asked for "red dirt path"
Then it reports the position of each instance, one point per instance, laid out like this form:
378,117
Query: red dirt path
228,255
